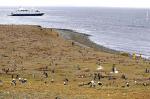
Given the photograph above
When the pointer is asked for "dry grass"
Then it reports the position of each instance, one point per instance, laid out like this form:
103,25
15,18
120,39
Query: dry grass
27,50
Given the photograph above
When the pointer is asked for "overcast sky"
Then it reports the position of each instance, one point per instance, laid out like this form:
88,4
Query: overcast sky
95,3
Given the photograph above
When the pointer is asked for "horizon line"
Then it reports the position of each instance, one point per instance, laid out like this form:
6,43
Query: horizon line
81,6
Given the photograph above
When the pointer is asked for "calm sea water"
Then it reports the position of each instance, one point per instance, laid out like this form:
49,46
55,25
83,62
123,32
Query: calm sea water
120,29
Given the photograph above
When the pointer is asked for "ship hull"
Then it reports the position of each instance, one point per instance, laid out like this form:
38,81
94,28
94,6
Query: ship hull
39,14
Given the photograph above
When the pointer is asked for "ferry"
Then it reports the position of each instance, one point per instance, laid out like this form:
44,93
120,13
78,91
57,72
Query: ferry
26,12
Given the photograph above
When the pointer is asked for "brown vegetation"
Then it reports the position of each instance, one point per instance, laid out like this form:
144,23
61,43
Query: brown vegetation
45,59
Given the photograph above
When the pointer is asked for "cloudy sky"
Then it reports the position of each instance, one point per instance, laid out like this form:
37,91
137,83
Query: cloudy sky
95,3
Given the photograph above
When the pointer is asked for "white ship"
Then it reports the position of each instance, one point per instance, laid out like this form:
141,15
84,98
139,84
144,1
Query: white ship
26,12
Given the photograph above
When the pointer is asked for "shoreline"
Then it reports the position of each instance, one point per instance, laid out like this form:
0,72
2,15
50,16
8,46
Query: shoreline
83,39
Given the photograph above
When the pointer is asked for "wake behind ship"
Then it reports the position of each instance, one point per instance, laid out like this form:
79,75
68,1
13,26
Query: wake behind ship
26,12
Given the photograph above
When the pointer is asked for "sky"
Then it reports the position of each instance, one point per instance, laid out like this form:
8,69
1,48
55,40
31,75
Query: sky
84,3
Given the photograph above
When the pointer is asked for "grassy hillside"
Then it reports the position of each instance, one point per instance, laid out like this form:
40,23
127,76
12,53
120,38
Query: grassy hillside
28,51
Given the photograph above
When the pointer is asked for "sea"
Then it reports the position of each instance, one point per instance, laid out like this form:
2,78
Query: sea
121,29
